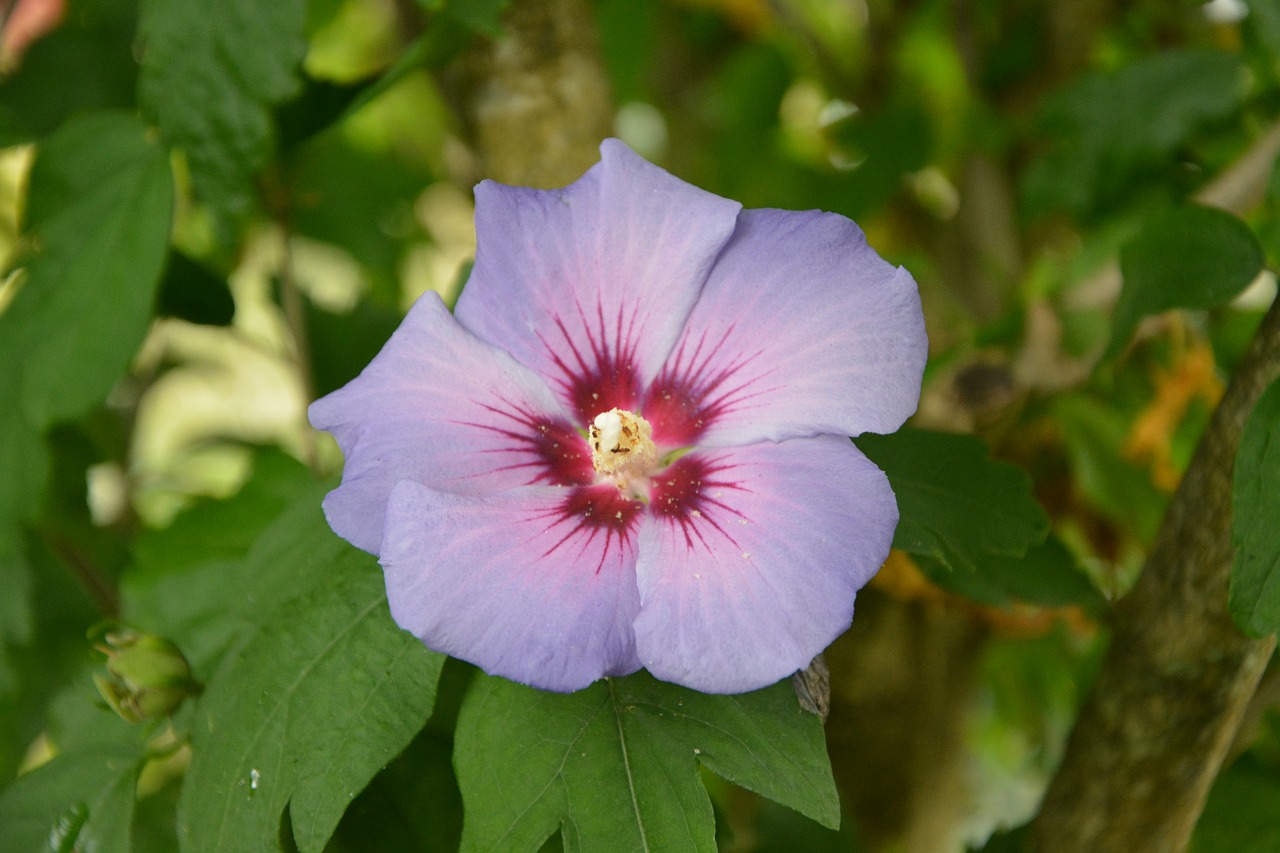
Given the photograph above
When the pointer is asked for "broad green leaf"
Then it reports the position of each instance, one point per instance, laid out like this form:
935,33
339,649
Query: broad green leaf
210,72
227,528
207,578
1254,599
53,81
412,806
1185,257
1240,814
615,766
82,798
1105,131
360,202
98,214
23,466
98,218
304,713
956,505
16,618
1263,23
1047,575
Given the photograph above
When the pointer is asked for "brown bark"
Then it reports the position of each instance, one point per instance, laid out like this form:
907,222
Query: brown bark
1179,674
535,101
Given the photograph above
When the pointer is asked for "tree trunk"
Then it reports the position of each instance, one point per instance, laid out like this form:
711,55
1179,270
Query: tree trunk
1179,674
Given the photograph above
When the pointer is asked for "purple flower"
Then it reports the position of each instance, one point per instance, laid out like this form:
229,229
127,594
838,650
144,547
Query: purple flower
628,445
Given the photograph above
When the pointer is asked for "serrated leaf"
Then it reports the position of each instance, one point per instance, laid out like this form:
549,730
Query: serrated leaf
956,505
1254,598
210,575
83,797
227,528
1186,257
98,216
615,766
304,714
412,806
210,71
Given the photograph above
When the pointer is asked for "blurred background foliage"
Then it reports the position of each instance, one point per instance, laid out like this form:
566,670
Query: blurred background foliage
1005,152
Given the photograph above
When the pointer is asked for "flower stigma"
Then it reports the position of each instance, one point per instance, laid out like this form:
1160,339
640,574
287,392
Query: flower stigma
622,447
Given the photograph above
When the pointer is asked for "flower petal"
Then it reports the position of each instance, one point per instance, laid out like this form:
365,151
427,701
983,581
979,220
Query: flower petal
750,559
536,585
439,407
589,285
801,329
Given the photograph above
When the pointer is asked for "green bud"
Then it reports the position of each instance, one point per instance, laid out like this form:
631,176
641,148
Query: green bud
146,677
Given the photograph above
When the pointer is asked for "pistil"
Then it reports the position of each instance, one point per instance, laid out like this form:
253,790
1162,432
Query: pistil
622,447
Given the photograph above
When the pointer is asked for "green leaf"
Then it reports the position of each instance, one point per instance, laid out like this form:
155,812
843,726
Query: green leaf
412,806
16,616
219,565
1263,25
1047,575
304,714
615,766
956,505
1240,814
342,344
227,528
192,292
210,70
1185,257
1254,599
98,216
54,80
1094,431
360,202
1107,130
484,16
81,800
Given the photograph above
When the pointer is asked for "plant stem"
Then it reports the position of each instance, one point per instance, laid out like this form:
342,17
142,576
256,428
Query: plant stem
100,588
295,318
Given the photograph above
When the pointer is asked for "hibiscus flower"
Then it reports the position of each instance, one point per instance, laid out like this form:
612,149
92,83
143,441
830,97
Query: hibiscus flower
628,445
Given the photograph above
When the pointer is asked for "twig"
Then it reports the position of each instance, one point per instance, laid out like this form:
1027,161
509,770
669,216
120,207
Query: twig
103,591
295,318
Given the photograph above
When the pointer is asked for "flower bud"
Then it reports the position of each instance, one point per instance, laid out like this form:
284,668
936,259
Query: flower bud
146,677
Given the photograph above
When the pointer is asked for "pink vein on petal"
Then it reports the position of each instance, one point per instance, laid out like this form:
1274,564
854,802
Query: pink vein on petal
560,456
590,509
688,396
688,493
605,377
